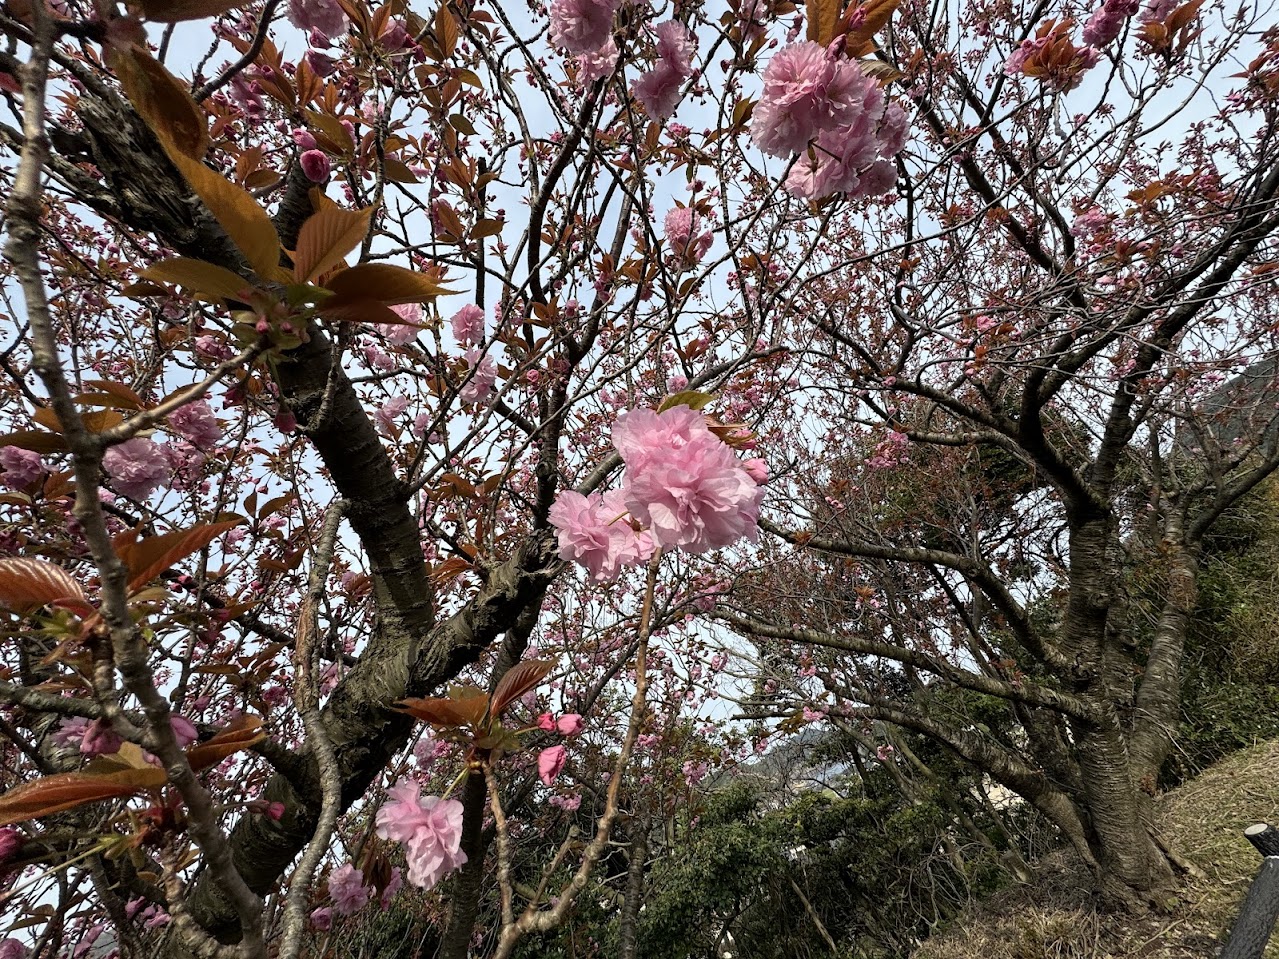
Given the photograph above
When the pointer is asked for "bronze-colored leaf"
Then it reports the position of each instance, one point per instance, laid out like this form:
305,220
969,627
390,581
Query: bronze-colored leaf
823,15
208,279
148,558
326,238
244,733
51,794
519,679
38,441
179,125
384,283
173,11
436,711
27,583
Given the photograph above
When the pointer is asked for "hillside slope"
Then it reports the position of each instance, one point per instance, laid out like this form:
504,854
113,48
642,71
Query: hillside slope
1054,918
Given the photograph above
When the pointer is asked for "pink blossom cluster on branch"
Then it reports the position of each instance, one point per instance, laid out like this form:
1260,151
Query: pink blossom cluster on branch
821,105
683,486
430,829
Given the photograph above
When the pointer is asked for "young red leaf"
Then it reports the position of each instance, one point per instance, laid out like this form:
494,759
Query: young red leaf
38,441
243,733
51,794
436,711
518,680
148,558
27,584
173,11
179,125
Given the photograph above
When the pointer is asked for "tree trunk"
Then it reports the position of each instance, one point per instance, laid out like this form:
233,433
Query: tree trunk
1116,815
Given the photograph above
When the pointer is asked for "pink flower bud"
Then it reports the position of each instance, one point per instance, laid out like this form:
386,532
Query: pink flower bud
315,165
570,724
550,763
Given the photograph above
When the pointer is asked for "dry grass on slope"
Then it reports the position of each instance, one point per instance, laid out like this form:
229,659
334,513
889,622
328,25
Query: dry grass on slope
1054,917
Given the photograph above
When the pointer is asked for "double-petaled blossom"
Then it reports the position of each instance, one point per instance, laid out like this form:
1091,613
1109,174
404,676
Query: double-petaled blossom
347,890
315,164
597,64
21,467
550,763
807,90
681,226
1108,20
468,325
322,16
401,334
100,739
595,532
581,26
430,829
11,842
851,158
137,467
658,90
482,377
196,423
683,482
570,724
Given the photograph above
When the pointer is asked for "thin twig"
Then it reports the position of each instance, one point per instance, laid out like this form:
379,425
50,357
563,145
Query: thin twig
306,696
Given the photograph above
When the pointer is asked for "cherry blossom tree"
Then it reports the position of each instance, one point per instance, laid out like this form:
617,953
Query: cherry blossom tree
391,391
1034,388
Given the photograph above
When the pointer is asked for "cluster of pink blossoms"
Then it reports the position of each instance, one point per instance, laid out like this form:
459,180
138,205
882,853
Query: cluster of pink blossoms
823,106
658,90
430,829
686,244
683,485
582,26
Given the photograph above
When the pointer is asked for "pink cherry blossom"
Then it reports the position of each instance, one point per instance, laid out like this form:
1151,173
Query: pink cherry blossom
322,16
184,730
430,828
580,26
315,164
70,732
468,325
482,378
137,467
11,842
347,890
658,90
806,91
546,722
567,803
1108,20
683,482
12,949
322,918
594,532
570,724
401,334
846,159
681,225
550,763
393,886
21,467
196,423
388,414
597,64
100,739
